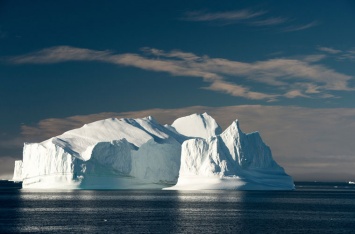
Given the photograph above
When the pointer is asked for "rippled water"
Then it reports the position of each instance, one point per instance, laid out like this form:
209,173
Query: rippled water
309,209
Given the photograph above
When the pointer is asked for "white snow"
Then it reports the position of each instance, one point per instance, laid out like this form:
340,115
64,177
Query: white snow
197,125
141,153
111,153
231,160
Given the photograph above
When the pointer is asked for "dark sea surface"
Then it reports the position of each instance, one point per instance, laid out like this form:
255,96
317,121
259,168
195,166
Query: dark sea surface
311,208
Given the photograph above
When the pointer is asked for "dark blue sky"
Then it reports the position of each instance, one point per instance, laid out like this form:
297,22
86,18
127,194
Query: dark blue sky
65,58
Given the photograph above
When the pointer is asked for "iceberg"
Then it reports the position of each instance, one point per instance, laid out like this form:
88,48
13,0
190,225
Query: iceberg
107,154
192,153
232,160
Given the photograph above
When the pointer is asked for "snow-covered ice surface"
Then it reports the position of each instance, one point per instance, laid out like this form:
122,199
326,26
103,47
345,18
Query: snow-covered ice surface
142,154
107,154
231,160
197,125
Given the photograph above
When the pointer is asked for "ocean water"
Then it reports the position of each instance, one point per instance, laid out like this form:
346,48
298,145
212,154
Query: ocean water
311,208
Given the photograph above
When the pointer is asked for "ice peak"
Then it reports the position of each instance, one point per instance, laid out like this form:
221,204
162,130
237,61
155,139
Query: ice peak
205,114
234,128
151,118
197,125
236,124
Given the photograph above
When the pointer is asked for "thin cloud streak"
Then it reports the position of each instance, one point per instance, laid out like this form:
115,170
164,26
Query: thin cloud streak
239,91
60,54
269,22
234,16
314,58
300,27
295,93
246,17
329,50
340,55
286,75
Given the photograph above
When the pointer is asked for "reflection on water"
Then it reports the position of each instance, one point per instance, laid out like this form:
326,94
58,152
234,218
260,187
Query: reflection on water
144,211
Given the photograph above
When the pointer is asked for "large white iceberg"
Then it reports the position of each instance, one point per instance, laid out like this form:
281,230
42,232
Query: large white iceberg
142,154
231,160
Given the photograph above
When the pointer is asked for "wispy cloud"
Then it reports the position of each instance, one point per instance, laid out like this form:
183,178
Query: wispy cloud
59,54
239,91
283,74
295,93
294,28
314,58
329,50
261,18
349,55
269,21
226,16
340,55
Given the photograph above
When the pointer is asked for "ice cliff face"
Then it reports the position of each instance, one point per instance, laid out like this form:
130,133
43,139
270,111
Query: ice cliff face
141,153
112,153
231,160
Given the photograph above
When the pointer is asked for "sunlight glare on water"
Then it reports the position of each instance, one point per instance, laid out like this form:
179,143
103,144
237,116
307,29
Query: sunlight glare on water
143,211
